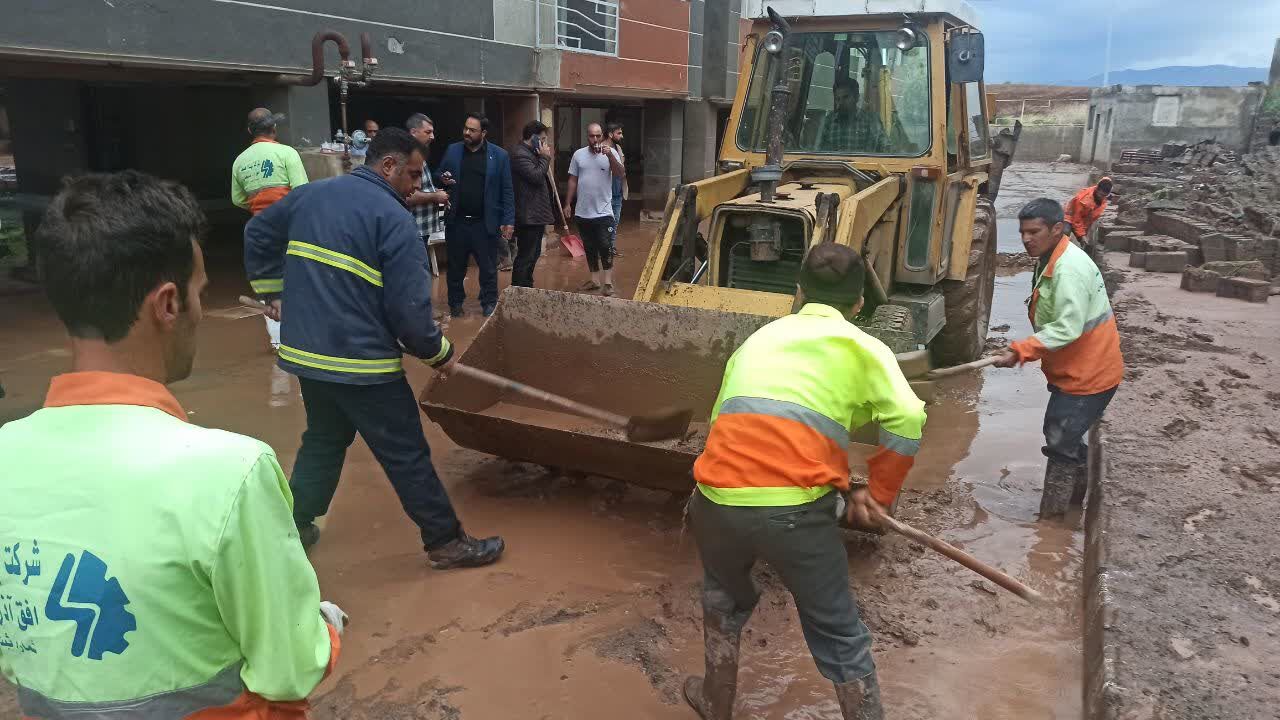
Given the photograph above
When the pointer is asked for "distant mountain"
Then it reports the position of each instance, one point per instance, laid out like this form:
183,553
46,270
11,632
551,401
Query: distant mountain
1203,75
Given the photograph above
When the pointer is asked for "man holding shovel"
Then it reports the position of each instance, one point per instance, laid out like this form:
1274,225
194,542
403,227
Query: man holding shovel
1078,344
358,299
777,449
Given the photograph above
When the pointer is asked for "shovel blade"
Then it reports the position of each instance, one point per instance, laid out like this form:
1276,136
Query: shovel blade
665,424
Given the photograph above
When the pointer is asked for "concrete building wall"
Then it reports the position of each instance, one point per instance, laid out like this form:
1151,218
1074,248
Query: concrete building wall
1143,117
1045,143
420,40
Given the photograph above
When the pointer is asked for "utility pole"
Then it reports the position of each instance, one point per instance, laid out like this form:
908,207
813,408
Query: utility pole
1106,71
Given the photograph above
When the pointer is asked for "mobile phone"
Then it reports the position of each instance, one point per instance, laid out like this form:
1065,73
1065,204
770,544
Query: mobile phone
537,143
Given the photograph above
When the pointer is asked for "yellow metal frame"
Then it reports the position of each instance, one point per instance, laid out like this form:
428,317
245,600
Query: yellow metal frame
872,215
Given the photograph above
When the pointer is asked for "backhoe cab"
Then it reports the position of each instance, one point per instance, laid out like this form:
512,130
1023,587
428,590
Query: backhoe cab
868,130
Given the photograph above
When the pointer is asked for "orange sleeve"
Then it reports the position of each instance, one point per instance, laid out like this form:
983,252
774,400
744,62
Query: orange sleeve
887,470
335,649
1028,350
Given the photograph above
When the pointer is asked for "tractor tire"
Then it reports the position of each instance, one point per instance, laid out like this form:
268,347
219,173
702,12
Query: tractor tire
968,301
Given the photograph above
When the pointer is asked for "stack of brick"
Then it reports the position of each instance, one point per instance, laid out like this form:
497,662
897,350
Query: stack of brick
1178,226
1236,247
1164,254
1121,240
1197,279
1245,280
1247,289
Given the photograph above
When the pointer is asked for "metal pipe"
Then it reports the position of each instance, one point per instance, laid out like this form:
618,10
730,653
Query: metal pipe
769,175
317,57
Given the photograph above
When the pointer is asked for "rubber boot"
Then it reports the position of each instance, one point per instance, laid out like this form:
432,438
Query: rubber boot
1059,484
1081,486
860,699
712,697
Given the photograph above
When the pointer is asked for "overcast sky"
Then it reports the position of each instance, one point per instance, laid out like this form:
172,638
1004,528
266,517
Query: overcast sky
1057,40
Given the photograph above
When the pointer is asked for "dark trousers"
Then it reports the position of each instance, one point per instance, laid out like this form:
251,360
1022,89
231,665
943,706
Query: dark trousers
617,215
529,249
1067,419
386,416
802,544
595,241
464,239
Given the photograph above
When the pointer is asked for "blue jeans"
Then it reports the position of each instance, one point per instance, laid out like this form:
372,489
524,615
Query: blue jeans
387,417
1066,421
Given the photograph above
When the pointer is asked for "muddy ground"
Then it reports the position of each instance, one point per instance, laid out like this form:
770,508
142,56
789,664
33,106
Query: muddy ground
593,612
1193,489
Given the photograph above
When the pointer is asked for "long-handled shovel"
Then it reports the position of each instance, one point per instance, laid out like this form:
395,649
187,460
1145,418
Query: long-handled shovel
964,558
662,425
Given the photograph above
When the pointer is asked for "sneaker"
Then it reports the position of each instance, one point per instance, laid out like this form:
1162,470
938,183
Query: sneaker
309,534
465,552
589,286
488,310
456,311
608,290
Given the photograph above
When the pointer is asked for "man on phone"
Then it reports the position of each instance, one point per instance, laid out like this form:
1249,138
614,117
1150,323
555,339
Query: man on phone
537,204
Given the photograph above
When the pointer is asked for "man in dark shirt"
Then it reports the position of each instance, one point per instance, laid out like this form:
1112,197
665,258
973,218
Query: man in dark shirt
481,209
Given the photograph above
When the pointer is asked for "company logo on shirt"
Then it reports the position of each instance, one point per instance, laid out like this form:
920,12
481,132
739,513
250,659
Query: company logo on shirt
83,594
268,169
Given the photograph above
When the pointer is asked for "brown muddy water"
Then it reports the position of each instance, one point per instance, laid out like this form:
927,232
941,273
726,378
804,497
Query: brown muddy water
593,612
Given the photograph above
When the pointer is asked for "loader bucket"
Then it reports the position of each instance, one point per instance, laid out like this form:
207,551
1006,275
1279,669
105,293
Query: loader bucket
623,356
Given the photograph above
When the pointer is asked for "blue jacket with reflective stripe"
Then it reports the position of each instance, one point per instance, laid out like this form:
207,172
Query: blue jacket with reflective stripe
346,256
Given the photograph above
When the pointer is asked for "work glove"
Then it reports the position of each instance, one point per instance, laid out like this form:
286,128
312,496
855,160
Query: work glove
334,615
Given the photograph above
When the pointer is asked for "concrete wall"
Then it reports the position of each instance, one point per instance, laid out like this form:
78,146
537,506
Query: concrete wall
1047,142
1144,117
413,39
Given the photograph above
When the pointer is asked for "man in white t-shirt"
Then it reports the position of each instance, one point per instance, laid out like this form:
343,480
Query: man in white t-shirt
590,199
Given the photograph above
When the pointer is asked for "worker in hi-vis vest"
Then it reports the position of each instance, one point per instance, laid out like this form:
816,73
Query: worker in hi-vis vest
770,480
1077,343
151,567
264,173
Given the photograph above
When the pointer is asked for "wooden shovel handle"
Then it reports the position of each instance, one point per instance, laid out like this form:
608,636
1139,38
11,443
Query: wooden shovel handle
249,302
957,369
964,558
533,393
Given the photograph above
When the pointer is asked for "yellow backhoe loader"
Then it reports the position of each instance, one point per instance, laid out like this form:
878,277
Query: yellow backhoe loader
863,124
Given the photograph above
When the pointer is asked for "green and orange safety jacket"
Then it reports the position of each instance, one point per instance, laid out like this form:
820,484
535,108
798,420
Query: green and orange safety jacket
1076,338
265,172
1083,210
791,394
151,568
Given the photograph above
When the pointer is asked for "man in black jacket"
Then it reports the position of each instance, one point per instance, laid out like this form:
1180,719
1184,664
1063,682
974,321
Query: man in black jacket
537,204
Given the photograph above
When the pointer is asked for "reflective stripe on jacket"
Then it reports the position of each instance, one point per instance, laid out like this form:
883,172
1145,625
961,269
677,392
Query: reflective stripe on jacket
152,566
265,172
1083,211
791,394
347,257
1075,338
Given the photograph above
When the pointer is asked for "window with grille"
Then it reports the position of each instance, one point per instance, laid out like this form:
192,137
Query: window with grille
587,26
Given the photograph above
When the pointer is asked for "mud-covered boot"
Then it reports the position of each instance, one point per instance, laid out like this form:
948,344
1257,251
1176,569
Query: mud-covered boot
712,697
860,699
465,552
1059,484
1081,485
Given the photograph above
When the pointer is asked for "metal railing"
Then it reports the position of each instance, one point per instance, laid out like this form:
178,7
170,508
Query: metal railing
587,26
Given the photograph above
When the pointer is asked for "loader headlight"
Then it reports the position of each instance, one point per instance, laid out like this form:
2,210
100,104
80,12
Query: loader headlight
907,38
773,41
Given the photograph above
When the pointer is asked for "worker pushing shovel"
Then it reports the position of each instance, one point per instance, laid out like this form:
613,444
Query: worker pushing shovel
767,481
